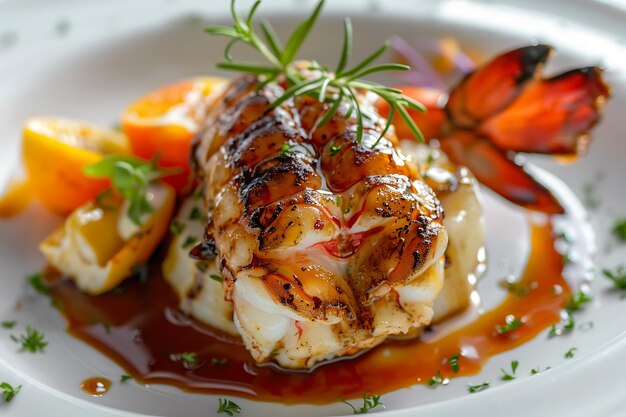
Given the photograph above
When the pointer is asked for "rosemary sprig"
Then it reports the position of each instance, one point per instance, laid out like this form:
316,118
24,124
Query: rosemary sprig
334,87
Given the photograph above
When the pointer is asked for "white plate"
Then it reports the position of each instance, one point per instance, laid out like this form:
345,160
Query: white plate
88,59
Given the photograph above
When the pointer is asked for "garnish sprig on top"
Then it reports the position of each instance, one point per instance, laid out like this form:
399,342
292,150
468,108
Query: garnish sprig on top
333,87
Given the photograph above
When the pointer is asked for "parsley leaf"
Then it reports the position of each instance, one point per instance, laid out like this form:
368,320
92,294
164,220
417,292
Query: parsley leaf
454,362
189,242
618,277
478,388
538,370
131,177
510,376
8,324
369,403
578,300
196,214
189,359
516,288
437,380
226,406
125,378
33,341
177,227
38,282
570,353
8,391
217,278
218,361
511,323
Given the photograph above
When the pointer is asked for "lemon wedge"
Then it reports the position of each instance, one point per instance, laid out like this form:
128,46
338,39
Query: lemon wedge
98,248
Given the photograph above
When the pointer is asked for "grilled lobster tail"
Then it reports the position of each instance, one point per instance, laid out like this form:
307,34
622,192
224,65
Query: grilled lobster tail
320,238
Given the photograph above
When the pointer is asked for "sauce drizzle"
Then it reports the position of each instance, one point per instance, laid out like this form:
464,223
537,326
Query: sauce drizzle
96,386
138,325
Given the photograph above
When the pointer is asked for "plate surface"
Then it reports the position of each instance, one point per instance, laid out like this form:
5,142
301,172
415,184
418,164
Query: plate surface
87,60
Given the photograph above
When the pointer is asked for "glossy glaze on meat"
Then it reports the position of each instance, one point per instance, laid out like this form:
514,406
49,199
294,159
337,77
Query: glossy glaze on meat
313,229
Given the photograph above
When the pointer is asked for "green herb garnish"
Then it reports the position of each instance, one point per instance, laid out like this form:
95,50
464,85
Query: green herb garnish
125,378
454,362
8,324
538,370
189,359
516,288
189,242
8,391
369,403
437,379
478,388
177,227
335,87
285,149
32,341
218,361
334,150
202,266
131,177
618,277
196,214
569,325
38,282
578,300
570,353
511,323
228,407
217,278
510,376
619,229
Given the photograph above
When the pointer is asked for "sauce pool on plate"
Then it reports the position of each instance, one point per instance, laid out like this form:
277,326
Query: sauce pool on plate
139,326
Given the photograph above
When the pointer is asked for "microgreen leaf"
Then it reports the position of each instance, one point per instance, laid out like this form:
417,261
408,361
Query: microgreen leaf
511,323
510,376
38,282
177,227
32,341
189,242
578,300
437,379
227,407
570,353
131,177
189,359
454,362
8,391
369,403
478,388
618,277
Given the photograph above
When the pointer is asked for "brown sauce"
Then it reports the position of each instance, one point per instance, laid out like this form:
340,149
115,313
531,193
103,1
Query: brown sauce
96,386
139,326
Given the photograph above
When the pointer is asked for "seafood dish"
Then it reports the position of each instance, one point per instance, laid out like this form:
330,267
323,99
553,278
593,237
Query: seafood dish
304,221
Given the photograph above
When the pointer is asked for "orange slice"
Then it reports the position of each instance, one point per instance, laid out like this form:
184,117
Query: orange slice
164,121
